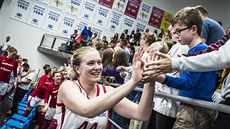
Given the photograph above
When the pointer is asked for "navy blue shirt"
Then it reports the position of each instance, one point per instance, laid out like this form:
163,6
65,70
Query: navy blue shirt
211,31
197,85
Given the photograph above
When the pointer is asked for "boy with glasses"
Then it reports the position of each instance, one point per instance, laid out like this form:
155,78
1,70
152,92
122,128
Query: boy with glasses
197,85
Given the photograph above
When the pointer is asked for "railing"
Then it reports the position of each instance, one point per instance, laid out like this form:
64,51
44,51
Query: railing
56,41
190,101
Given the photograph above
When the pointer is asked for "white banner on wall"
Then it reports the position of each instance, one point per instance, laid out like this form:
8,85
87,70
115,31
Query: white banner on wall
128,23
141,26
81,24
52,21
144,13
36,15
67,26
115,21
21,10
58,4
88,11
46,2
95,1
102,16
119,6
98,30
74,7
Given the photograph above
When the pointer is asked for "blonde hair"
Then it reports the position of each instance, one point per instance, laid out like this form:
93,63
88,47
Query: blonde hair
76,58
151,37
107,58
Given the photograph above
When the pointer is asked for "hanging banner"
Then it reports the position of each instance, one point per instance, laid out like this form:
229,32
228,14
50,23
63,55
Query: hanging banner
21,10
166,21
88,11
94,1
74,7
106,3
67,26
128,23
132,9
102,16
141,26
37,15
52,21
58,4
98,30
119,6
45,2
144,13
81,24
156,17
114,23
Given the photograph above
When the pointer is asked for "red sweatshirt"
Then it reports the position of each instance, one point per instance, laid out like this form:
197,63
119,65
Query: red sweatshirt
52,91
6,67
43,83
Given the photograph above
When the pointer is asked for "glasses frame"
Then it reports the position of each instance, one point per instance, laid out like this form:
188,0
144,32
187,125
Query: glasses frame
178,32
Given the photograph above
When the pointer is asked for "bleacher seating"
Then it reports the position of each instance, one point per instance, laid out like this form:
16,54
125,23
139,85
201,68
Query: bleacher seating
17,120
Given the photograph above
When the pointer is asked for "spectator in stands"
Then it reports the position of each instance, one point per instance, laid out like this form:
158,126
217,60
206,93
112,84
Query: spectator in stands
213,61
85,107
72,40
155,31
147,39
94,36
124,46
22,87
74,35
137,35
125,35
119,59
212,31
161,33
51,99
198,85
90,32
132,40
165,110
5,46
116,37
147,30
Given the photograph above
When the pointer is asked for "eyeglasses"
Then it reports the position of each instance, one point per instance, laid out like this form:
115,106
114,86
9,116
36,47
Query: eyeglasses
177,32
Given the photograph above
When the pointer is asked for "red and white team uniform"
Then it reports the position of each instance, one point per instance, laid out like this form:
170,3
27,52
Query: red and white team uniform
69,120
38,95
52,92
6,67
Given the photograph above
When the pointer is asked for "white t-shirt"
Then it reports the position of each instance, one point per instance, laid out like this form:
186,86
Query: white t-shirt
24,86
6,45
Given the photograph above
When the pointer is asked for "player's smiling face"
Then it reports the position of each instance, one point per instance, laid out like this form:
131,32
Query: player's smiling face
91,66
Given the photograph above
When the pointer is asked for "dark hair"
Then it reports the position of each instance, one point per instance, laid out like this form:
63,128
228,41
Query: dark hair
202,10
47,70
11,49
46,66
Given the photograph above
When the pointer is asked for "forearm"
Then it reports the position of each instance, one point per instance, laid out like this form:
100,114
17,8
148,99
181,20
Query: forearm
207,62
105,102
23,74
146,103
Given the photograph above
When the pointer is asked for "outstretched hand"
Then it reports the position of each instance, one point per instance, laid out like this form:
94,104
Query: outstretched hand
161,64
138,65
